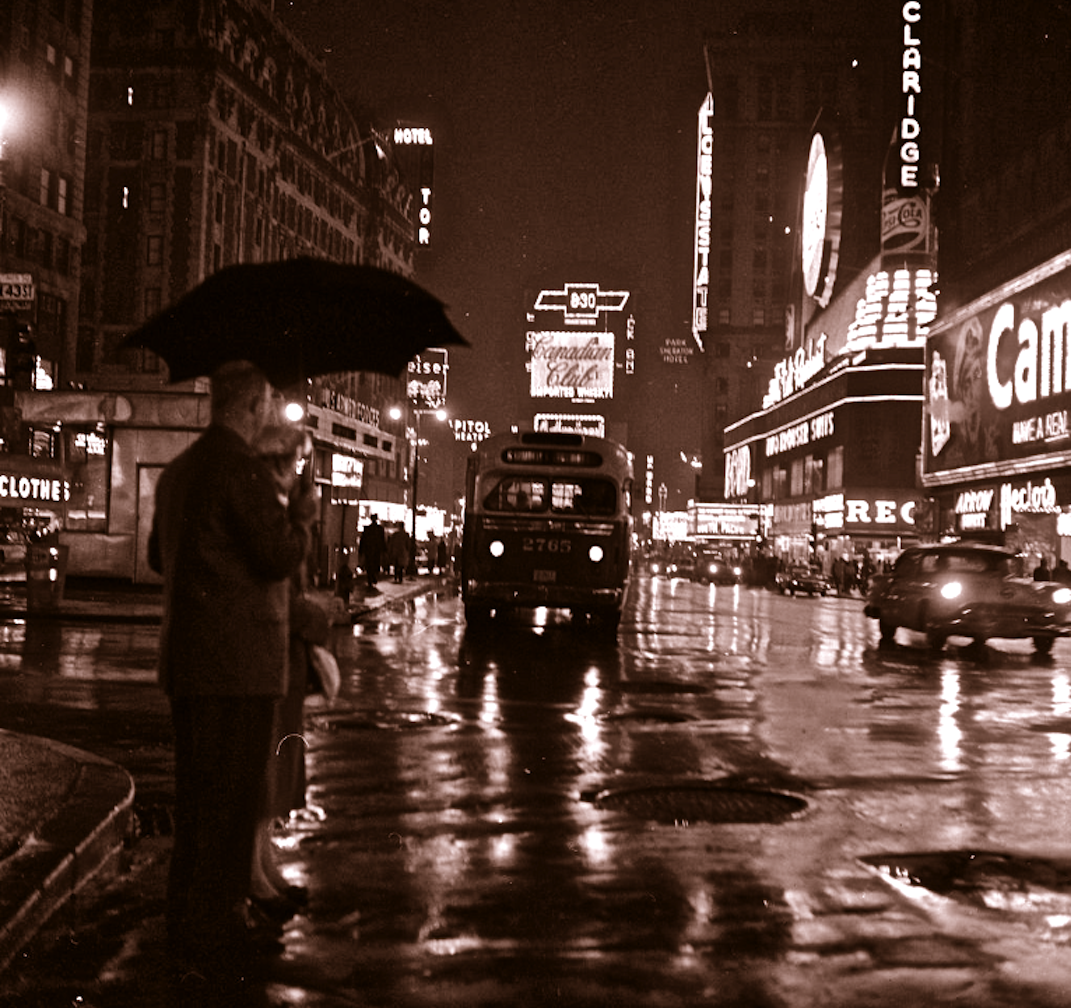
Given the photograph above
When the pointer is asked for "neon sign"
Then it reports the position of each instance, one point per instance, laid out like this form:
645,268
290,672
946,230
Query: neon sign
571,365
426,379
581,303
418,163
803,433
792,373
911,88
704,184
471,431
896,310
738,471
837,511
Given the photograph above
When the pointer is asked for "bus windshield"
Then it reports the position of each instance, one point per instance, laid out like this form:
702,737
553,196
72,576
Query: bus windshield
516,493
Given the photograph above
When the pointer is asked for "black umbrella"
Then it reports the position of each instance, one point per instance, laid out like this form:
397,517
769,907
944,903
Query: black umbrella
297,319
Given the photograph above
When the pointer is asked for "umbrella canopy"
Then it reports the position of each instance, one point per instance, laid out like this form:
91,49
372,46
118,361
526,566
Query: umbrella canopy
297,319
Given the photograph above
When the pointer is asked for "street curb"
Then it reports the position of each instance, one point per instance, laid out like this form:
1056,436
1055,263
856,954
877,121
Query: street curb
86,836
80,842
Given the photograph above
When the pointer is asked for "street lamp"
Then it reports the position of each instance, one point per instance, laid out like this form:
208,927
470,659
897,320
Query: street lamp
396,413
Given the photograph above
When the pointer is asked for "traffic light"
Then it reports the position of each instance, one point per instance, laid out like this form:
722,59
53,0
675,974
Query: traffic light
21,357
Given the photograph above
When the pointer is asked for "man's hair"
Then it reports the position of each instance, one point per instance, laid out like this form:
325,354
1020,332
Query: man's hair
233,385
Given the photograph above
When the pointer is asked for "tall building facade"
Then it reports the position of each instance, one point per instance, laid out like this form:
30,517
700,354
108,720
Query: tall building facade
996,438
773,70
44,80
213,137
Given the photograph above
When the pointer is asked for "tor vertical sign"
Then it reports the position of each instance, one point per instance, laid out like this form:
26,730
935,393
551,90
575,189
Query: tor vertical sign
414,148
704,184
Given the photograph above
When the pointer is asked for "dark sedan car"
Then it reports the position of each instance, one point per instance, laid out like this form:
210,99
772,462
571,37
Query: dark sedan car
712,567
968,590
802,580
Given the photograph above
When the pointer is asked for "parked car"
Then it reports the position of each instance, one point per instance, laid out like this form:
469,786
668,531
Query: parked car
968,590
711,567
800,579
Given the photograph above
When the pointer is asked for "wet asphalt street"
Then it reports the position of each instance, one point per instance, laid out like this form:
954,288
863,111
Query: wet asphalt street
742,801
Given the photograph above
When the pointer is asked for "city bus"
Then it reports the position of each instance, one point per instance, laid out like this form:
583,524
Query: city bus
548,522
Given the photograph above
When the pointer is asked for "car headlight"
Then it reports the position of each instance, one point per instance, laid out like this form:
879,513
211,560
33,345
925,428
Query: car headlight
951,590
497,548
595,554
737,571
1062,596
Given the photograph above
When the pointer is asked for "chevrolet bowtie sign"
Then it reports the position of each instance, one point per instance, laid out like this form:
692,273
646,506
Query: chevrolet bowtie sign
581,303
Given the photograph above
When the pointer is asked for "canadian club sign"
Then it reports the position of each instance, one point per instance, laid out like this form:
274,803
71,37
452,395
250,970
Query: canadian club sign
572,365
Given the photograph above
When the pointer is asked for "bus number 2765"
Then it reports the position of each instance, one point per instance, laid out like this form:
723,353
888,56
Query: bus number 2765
541,544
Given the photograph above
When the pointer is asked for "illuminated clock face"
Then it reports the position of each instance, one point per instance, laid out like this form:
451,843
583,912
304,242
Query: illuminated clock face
815,209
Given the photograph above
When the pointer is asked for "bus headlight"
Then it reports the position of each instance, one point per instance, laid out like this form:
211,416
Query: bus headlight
497,547
1062,596
595,554
951,590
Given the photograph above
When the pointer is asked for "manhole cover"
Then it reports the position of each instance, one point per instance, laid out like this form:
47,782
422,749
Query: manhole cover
383,721
681,804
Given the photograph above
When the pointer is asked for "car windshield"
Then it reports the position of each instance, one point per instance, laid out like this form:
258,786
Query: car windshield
971,562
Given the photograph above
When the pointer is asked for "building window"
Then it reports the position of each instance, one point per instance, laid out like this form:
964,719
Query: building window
152,301
48,245
61,195
835,469
159,145
796,480
758,316
157,198
45,188
63,256
154,248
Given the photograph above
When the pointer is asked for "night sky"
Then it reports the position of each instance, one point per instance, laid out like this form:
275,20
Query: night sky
564,151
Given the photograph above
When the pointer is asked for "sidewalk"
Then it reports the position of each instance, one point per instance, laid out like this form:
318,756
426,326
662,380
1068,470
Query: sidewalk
72,824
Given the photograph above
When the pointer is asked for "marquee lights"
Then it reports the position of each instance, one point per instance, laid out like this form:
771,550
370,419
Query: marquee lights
896,310
573,423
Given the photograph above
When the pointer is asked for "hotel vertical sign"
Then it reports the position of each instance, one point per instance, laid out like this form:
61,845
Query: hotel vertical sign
704,184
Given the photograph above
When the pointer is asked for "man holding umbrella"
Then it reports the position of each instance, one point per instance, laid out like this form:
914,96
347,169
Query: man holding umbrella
225,545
